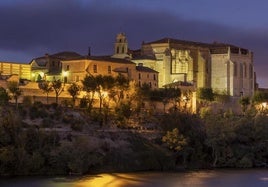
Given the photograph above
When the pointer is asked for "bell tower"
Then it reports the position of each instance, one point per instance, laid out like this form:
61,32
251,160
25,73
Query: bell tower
121,46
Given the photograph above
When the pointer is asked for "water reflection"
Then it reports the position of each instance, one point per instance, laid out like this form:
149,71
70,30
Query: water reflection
219,178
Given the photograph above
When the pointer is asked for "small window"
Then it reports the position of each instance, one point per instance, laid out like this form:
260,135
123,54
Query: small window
154,77
241,70
235,69
139,83
95,70
150,84
139,76
67,68
246,72
250,71
77,78
109,69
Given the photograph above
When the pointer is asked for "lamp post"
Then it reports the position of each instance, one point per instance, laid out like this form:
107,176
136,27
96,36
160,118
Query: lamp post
65,74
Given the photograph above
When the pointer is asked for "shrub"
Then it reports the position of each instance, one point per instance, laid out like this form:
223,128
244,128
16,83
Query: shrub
47,123
27,101
77,126
245,162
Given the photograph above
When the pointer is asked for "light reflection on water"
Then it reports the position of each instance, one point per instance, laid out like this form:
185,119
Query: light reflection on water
218,178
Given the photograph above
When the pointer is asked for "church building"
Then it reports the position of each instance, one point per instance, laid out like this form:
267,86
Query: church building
223,67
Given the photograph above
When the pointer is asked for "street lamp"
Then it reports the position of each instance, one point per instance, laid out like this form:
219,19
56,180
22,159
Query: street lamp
65,74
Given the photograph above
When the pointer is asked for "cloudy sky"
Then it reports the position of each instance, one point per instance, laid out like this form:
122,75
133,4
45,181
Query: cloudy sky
31,28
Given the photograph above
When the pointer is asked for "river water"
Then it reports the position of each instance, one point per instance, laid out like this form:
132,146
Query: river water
207,178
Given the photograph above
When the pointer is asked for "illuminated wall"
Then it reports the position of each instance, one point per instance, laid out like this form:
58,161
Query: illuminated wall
10,68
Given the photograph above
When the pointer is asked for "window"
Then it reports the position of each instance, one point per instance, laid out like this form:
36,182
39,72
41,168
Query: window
109,69
150,84
250,71
154,77
148,76
241,70
139,83
139,76
245,67
53,63
76,78
235,69
67,68
95,70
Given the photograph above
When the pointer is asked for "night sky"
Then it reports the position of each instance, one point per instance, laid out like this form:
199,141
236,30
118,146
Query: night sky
31,28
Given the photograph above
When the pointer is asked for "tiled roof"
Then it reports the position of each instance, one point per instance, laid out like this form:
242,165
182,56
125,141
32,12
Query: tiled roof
110,59
65,55
176,41
191,43
145,69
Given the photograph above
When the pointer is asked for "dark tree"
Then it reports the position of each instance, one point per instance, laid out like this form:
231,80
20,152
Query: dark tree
74,90
15,91
46,87
58,87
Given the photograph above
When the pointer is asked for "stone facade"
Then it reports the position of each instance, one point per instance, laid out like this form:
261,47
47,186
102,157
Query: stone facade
48,67
223,67
176,61
76,70
232,70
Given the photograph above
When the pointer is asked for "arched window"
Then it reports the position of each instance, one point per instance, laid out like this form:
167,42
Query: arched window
245,70
235,69
241,70
250,71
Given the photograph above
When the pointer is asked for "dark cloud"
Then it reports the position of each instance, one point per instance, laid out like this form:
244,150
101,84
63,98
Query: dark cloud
38,27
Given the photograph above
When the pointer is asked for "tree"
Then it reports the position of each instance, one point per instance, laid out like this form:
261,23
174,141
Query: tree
205,94
104,83
74,90
222,97
120,86
57,86
46,87
260,97
90,86
244,101
3,96
15,91
174,140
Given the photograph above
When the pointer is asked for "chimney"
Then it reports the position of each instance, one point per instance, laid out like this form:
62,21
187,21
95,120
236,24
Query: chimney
89,51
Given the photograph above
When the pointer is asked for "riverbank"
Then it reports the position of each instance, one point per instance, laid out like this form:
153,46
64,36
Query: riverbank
52,140
208,178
